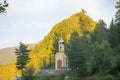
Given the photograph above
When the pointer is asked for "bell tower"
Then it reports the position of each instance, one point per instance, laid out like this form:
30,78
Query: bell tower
61,45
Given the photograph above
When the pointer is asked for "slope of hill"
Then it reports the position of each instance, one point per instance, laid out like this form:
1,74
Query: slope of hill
42,53
7,55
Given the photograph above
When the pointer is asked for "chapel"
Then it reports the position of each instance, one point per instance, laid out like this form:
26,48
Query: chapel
61,61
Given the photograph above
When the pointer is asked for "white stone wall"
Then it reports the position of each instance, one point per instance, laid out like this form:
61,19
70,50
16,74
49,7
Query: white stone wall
64,62
62,57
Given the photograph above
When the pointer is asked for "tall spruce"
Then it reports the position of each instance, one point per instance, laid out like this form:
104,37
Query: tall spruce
117,24
117,16
112,23
112,37
76,55
115,28
115,39
22,56
114,33
100,32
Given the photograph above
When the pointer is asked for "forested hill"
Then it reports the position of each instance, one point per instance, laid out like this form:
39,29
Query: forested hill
42,52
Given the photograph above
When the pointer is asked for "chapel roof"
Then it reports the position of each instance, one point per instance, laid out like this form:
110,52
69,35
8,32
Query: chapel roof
61,40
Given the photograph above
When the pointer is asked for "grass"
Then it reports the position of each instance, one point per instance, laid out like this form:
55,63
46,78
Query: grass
73,76
51,77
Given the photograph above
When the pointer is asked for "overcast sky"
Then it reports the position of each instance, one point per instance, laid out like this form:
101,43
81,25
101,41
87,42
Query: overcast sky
30,20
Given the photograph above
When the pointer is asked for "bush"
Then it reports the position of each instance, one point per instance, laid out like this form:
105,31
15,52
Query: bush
29,73
73,76
51,77
97,77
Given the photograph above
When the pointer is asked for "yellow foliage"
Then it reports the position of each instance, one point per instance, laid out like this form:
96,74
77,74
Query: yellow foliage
8,71
79,22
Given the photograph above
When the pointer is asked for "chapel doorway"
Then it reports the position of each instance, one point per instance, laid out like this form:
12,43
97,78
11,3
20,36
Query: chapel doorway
59,64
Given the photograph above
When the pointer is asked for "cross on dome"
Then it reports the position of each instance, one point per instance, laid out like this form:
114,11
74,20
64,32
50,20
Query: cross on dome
61,40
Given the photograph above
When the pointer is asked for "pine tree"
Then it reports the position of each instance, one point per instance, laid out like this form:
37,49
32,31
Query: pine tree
117,23
112,23
22,57
76,55
100,32
117,16
112,34
3,6
115,39
115,28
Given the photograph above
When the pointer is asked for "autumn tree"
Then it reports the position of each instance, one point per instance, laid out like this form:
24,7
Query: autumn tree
22,57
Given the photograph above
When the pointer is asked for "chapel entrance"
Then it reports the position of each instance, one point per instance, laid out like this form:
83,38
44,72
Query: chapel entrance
59,64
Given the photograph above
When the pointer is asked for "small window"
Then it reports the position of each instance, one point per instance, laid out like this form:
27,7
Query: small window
60,47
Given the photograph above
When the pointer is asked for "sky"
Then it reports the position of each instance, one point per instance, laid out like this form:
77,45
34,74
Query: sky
29,21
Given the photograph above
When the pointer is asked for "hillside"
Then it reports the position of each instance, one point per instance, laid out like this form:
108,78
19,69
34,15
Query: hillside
78,22
7,55
42,52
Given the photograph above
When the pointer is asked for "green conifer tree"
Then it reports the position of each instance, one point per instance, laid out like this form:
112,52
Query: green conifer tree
102,56
22,57
100,32
117,16
3,6
115,39
76,55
